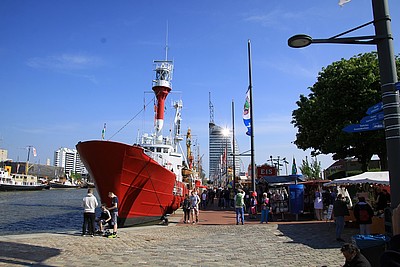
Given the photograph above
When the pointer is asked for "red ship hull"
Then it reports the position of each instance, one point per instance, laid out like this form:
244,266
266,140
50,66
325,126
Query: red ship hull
146,190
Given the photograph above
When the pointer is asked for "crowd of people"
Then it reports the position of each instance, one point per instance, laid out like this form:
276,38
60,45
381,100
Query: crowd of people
364,210
242,199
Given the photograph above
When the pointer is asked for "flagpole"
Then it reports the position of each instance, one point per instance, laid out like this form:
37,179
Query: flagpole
233,148
253,183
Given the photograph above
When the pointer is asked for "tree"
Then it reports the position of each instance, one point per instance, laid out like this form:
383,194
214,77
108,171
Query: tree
342,94
311,171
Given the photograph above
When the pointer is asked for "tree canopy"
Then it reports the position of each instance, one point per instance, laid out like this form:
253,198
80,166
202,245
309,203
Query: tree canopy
342,94
311,171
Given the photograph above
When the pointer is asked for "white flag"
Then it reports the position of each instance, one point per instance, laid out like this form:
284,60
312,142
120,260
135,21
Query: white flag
34,151
342,2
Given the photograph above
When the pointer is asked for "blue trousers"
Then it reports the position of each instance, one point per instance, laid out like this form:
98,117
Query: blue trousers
239,215
264,215
339,226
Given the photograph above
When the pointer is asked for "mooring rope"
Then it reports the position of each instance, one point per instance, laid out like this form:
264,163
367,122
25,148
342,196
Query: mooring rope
126,124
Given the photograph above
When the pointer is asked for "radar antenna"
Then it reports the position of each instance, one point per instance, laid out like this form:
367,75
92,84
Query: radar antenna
166,44
211,106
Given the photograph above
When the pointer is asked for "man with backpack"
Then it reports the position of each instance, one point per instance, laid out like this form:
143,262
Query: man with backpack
239,206
363,213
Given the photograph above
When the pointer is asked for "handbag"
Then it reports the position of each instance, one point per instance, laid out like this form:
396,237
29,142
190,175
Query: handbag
253,210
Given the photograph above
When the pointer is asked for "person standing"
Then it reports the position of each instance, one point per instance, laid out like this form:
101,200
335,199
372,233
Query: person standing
194,206
265,207
186,209
114,213
239,206
253,206
318,205
363,213
382,200
227,198
204,199
89,204
339,211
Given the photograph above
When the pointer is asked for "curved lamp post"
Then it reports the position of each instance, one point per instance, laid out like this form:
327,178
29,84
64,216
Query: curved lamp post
390,97
225,133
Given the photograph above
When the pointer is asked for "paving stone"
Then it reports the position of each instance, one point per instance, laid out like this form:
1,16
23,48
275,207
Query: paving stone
215,241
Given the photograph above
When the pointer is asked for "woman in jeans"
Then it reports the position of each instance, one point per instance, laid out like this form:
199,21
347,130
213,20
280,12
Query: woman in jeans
264,208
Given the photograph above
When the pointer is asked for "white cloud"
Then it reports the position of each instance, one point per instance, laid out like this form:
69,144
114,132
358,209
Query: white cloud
64,62
278,17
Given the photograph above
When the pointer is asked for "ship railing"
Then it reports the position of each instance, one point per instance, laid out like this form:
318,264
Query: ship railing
177,190
159,159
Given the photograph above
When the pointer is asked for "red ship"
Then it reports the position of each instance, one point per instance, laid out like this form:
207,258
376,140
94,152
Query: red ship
147,176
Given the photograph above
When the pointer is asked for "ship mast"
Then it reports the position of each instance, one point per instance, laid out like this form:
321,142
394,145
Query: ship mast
188,148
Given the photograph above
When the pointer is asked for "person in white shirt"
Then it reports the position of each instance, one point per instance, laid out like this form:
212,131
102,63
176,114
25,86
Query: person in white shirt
194,206
89,204
318,205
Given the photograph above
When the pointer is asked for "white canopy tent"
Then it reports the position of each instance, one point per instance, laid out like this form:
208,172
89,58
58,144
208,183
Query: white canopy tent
366,177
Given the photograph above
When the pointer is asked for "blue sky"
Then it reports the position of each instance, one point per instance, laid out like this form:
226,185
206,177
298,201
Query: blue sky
68,67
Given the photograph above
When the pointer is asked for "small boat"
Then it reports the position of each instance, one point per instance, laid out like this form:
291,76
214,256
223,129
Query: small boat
146,176
14,182
65,184
87,185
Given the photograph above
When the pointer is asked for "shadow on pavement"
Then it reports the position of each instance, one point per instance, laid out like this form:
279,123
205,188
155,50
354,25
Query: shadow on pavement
23,254
315,235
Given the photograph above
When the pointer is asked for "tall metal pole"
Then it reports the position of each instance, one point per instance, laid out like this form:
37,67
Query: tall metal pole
390,97
226,161
27,161
233,149
253,182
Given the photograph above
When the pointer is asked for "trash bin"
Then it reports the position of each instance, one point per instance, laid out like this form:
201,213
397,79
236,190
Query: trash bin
371,246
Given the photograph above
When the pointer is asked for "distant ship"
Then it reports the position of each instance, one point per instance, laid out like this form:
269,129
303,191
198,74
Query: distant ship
147,176
18,182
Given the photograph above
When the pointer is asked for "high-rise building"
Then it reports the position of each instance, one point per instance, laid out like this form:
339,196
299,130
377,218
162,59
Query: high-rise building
69,159
3,154
221,153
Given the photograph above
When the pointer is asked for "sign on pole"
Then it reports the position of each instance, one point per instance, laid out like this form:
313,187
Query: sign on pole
355,128
372,118
375,108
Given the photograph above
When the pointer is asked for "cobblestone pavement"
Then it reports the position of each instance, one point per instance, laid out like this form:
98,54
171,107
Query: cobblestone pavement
215,241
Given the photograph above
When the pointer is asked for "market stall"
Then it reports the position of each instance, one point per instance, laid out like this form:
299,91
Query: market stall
365,185
366,177
310,187
280,193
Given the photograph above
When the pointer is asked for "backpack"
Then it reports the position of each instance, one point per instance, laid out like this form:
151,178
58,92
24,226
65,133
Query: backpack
363,214
239,200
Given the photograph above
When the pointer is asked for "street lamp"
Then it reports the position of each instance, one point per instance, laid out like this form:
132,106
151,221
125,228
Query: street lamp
277,163
390,97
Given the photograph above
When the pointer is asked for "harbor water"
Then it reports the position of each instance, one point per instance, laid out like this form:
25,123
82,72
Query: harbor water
51,211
